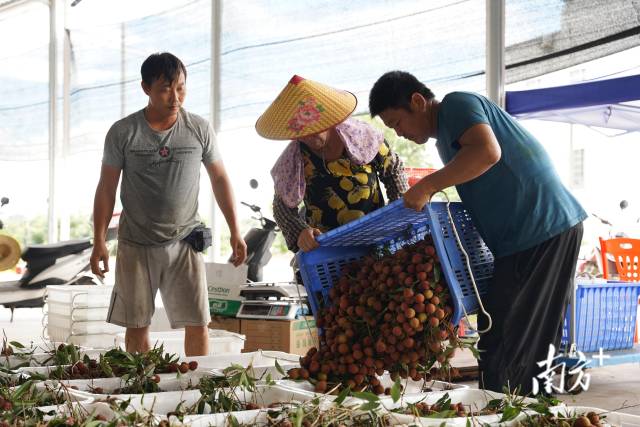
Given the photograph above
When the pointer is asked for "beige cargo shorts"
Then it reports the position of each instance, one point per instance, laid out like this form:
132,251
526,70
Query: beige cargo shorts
177,270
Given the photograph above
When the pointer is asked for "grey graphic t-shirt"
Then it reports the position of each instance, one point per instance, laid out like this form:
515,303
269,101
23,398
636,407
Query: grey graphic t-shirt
160,175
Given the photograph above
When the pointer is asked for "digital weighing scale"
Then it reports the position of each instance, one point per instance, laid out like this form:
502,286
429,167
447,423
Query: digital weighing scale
273,300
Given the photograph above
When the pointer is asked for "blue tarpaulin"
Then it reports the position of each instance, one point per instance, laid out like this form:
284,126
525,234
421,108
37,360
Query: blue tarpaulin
611,103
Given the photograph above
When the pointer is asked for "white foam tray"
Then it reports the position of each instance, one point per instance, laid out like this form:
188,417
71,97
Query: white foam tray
614,419
163,402
257,359
220,342
95,341
473,400
33,356
157,403
192,376
254,417
78,314
71,327
86,406
80,295
410,387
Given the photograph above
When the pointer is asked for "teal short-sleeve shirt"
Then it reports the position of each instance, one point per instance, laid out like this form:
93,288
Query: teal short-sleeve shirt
520,202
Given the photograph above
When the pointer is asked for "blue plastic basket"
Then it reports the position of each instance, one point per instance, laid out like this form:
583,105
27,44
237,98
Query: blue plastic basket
395,226
605,316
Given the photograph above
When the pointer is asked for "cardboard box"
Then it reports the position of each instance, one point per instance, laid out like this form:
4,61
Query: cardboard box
230,324
223,286
290,336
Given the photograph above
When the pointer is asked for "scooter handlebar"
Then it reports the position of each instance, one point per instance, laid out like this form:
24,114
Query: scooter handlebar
252,207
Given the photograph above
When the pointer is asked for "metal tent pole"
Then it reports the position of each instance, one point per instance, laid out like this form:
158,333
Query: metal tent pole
495,67
214,108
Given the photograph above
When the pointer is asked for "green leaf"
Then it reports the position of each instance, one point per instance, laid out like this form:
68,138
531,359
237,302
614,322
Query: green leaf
509,413
396,390
148,371
233,421
269,379
279,368
94,423
16,344
369,406
366,395
444,402
17,394
468,422
494,404
299,416
443,414
342,396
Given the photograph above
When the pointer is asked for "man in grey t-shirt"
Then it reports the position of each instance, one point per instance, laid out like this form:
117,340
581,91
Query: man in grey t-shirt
159,150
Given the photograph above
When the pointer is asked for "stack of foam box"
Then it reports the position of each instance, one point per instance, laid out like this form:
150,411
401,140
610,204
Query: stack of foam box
77,314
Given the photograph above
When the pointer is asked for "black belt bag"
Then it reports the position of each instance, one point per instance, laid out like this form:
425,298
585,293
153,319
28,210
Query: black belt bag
199,238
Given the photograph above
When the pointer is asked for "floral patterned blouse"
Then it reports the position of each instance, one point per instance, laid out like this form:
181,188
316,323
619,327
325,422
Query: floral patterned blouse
342,191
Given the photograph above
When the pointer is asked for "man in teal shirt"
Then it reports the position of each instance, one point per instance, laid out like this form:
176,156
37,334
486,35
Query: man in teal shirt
525,215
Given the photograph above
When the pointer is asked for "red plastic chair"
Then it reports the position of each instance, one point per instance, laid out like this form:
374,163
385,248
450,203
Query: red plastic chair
416,174
626,253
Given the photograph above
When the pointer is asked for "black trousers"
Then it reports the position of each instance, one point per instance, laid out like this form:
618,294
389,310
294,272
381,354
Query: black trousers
526,300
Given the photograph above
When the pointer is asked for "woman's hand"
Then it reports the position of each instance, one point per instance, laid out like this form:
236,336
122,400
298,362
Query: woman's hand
307,239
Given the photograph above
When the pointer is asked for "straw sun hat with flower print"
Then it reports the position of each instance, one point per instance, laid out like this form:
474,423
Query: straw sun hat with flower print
304,108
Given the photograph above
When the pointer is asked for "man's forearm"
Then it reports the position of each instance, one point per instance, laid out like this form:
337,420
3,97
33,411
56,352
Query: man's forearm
224,197
468,164
103,204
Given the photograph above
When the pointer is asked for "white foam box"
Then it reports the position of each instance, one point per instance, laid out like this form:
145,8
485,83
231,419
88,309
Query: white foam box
163,402
160,403
95,341
88,334
78,314
410,387
472,399
249,418
169,382
39,357
85,407
223,286
80,295
65,323
612,418
173,341
265,396
257,359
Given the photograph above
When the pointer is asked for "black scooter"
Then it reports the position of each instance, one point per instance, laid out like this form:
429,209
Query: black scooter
63,263
259,241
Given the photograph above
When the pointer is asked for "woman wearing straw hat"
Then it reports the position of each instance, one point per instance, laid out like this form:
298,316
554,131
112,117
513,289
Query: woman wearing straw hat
333,163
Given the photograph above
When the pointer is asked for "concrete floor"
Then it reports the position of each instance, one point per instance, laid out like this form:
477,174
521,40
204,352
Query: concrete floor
611,387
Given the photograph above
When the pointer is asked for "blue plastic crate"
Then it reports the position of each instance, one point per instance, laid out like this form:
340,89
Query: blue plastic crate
395,226
605,316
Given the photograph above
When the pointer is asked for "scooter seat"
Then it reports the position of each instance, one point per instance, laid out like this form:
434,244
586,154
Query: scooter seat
55,250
